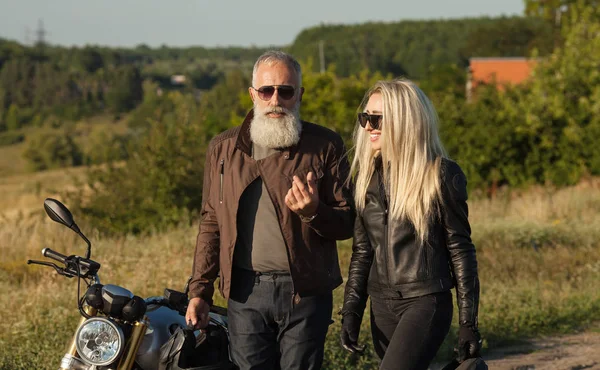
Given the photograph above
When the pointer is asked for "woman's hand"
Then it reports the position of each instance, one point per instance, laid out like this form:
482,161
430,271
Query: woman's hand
350,331
469,343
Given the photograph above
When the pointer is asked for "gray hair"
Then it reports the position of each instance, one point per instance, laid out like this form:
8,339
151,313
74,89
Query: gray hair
275,56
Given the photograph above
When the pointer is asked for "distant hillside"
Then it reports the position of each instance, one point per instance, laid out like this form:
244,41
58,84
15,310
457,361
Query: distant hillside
411,47
41,82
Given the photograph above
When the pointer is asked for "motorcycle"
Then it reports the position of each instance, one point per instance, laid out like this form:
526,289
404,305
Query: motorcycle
121,331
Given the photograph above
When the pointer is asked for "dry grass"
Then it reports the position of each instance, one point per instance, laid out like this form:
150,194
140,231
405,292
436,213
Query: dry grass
24,194
580,203
538,253
12,161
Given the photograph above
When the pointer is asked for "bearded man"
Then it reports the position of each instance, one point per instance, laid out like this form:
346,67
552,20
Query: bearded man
275,200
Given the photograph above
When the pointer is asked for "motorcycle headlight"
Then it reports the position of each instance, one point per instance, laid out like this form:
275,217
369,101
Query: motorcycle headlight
99,341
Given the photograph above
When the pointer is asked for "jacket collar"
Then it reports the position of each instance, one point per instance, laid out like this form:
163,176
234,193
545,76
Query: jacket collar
244,143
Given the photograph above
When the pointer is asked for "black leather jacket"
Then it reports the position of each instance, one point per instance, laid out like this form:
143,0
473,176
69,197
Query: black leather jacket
389,262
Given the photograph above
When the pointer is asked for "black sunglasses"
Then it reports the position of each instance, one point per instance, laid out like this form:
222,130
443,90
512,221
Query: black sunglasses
373,119
286,92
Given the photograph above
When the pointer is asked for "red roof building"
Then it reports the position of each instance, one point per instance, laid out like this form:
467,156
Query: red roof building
502,71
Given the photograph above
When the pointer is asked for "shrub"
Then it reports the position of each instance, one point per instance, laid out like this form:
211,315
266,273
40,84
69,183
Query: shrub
160,184
52,149
106,146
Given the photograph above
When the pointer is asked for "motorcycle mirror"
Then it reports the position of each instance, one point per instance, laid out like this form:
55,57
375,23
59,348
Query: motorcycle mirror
58,212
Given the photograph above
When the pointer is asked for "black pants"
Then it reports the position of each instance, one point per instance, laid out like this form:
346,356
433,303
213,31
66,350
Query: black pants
407,333
268,330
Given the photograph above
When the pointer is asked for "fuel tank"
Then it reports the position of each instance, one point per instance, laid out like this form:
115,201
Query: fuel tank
163,322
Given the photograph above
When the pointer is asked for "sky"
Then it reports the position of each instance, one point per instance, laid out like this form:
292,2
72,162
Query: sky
213,23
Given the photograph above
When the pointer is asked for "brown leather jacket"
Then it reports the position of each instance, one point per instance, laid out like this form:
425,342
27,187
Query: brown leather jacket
311,246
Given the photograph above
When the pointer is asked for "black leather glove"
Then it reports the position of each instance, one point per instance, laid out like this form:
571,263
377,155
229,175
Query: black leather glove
350,331
469,343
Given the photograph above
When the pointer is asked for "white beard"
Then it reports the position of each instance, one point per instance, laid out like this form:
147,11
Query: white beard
274,133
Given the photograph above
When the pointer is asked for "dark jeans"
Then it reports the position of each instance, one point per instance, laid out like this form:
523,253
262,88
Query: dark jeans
268,330
407,333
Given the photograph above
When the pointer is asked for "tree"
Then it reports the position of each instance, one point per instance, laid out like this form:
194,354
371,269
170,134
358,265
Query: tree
53,149
125,89
443,80
160,184
562,109
543,131
555,11
333,101
508,37
10,50
227,103
90,60
12,119
409,48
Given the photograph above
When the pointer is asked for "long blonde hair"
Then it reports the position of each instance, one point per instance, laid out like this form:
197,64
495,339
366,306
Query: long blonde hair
411,151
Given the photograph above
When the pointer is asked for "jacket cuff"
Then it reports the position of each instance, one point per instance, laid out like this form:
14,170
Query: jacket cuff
308,219
343,313
352,307
322,213
469,324
203,292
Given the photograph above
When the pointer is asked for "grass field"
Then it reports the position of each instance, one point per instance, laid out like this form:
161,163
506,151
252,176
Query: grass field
538,253
85,132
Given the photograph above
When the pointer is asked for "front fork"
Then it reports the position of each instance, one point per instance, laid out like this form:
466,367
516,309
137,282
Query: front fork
137,335
71,360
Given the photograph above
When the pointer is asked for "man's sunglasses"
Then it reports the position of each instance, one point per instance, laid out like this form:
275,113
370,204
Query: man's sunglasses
286,92
373,119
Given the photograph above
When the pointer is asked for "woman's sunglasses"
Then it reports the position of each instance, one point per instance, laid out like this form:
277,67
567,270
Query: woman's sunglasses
286,92
373,119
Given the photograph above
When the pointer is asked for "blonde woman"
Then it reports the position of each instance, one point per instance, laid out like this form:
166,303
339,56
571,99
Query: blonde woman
412,241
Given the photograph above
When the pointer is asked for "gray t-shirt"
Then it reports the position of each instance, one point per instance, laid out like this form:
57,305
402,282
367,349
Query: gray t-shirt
260,245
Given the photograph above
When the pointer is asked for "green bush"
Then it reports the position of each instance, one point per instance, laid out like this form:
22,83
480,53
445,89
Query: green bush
159,185
106,146
52,149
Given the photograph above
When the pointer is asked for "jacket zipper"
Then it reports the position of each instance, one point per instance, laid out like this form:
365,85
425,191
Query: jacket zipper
425,260
383,195
221,174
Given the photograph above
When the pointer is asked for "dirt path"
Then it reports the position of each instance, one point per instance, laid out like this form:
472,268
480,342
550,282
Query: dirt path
569,352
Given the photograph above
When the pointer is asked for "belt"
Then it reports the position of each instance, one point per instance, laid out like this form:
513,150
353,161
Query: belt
263,275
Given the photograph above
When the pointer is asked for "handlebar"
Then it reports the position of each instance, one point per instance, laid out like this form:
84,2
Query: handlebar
47,252
74,265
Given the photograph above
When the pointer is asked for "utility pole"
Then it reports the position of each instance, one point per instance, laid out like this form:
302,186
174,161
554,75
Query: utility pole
322,56
41,37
